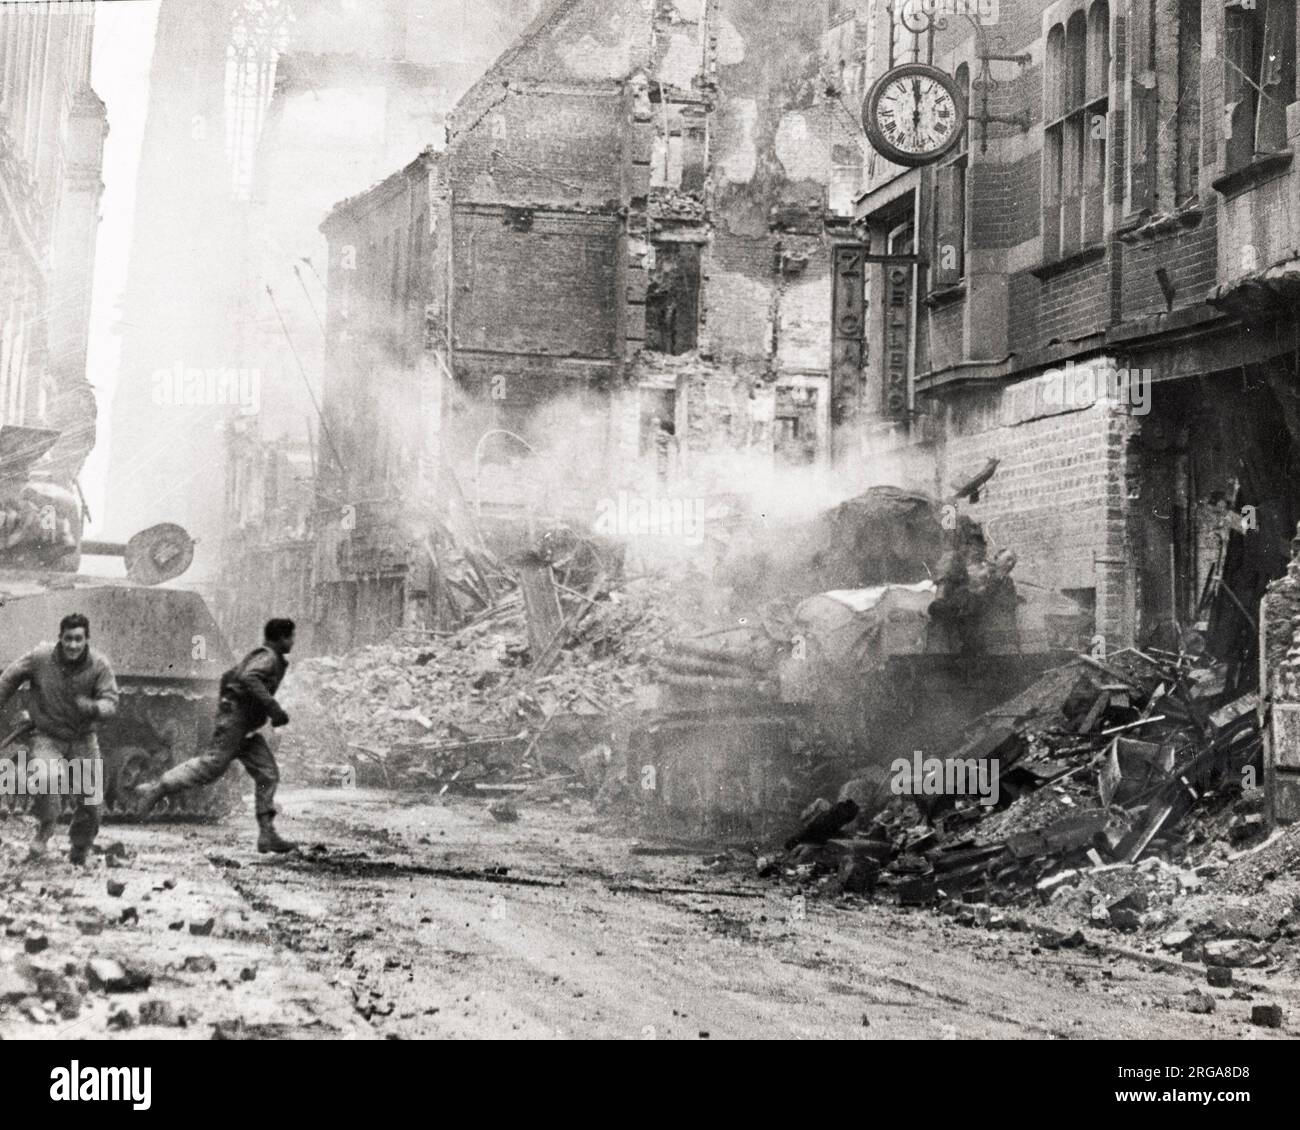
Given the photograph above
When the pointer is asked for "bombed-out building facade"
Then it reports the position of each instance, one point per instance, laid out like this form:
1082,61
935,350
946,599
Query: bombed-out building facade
618,271
651,239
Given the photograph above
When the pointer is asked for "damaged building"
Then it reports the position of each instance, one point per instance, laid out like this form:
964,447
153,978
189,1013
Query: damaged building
627,259
52,129
645,245
607,248
1107,302
712,582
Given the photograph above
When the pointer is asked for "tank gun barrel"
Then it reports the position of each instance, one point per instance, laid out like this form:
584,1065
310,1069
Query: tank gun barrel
103,548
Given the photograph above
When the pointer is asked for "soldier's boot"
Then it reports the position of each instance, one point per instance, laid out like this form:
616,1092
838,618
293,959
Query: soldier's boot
77,855
40,843
147,796
268,839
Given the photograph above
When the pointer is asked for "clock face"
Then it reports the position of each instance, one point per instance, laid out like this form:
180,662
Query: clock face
914,114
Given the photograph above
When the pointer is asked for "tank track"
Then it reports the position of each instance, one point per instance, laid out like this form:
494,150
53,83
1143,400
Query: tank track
181,716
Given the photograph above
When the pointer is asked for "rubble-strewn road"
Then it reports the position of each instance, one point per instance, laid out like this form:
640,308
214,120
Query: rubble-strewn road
430,919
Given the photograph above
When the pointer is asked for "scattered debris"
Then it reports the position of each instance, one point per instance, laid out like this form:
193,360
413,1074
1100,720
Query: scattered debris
504,812
1085,811
164,1014
109,976
480,708
1266,1015
121,1019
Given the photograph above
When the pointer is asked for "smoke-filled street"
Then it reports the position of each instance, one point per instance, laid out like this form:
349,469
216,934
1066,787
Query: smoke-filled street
420,919
650,519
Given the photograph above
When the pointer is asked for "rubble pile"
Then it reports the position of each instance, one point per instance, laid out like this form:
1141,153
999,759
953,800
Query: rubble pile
1110,791
477,708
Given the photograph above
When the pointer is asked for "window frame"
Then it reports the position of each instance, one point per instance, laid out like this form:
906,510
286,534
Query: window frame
1255,120
1076,128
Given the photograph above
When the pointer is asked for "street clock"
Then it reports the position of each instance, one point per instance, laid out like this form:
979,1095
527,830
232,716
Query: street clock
914,114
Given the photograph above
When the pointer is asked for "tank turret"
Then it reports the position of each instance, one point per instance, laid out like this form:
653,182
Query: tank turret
41,521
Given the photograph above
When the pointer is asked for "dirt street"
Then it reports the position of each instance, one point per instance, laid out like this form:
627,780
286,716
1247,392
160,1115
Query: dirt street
409,917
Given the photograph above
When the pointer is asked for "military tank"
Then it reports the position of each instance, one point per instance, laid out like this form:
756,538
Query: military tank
164,644
885,625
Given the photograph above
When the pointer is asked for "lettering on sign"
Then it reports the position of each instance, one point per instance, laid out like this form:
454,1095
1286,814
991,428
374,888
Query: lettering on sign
898,294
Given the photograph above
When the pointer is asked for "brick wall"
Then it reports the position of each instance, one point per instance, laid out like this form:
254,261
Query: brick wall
804,303
1074,303
1058,495
519,383
1189,257
1023,290
773,143
1231,231
378,291
544,146
1004,202
1061,494
544,283
736,297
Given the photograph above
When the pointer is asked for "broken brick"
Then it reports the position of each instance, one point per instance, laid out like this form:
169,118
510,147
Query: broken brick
164,1014
109,976
1266,1015
1124,918
504,812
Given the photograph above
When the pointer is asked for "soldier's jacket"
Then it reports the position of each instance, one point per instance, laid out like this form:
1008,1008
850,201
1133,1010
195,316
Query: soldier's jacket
56,685
252,684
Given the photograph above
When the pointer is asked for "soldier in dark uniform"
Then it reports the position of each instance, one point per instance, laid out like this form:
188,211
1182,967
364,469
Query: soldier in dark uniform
247,703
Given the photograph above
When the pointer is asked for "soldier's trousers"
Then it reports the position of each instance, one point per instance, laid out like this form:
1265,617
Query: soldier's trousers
88,778
230,741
